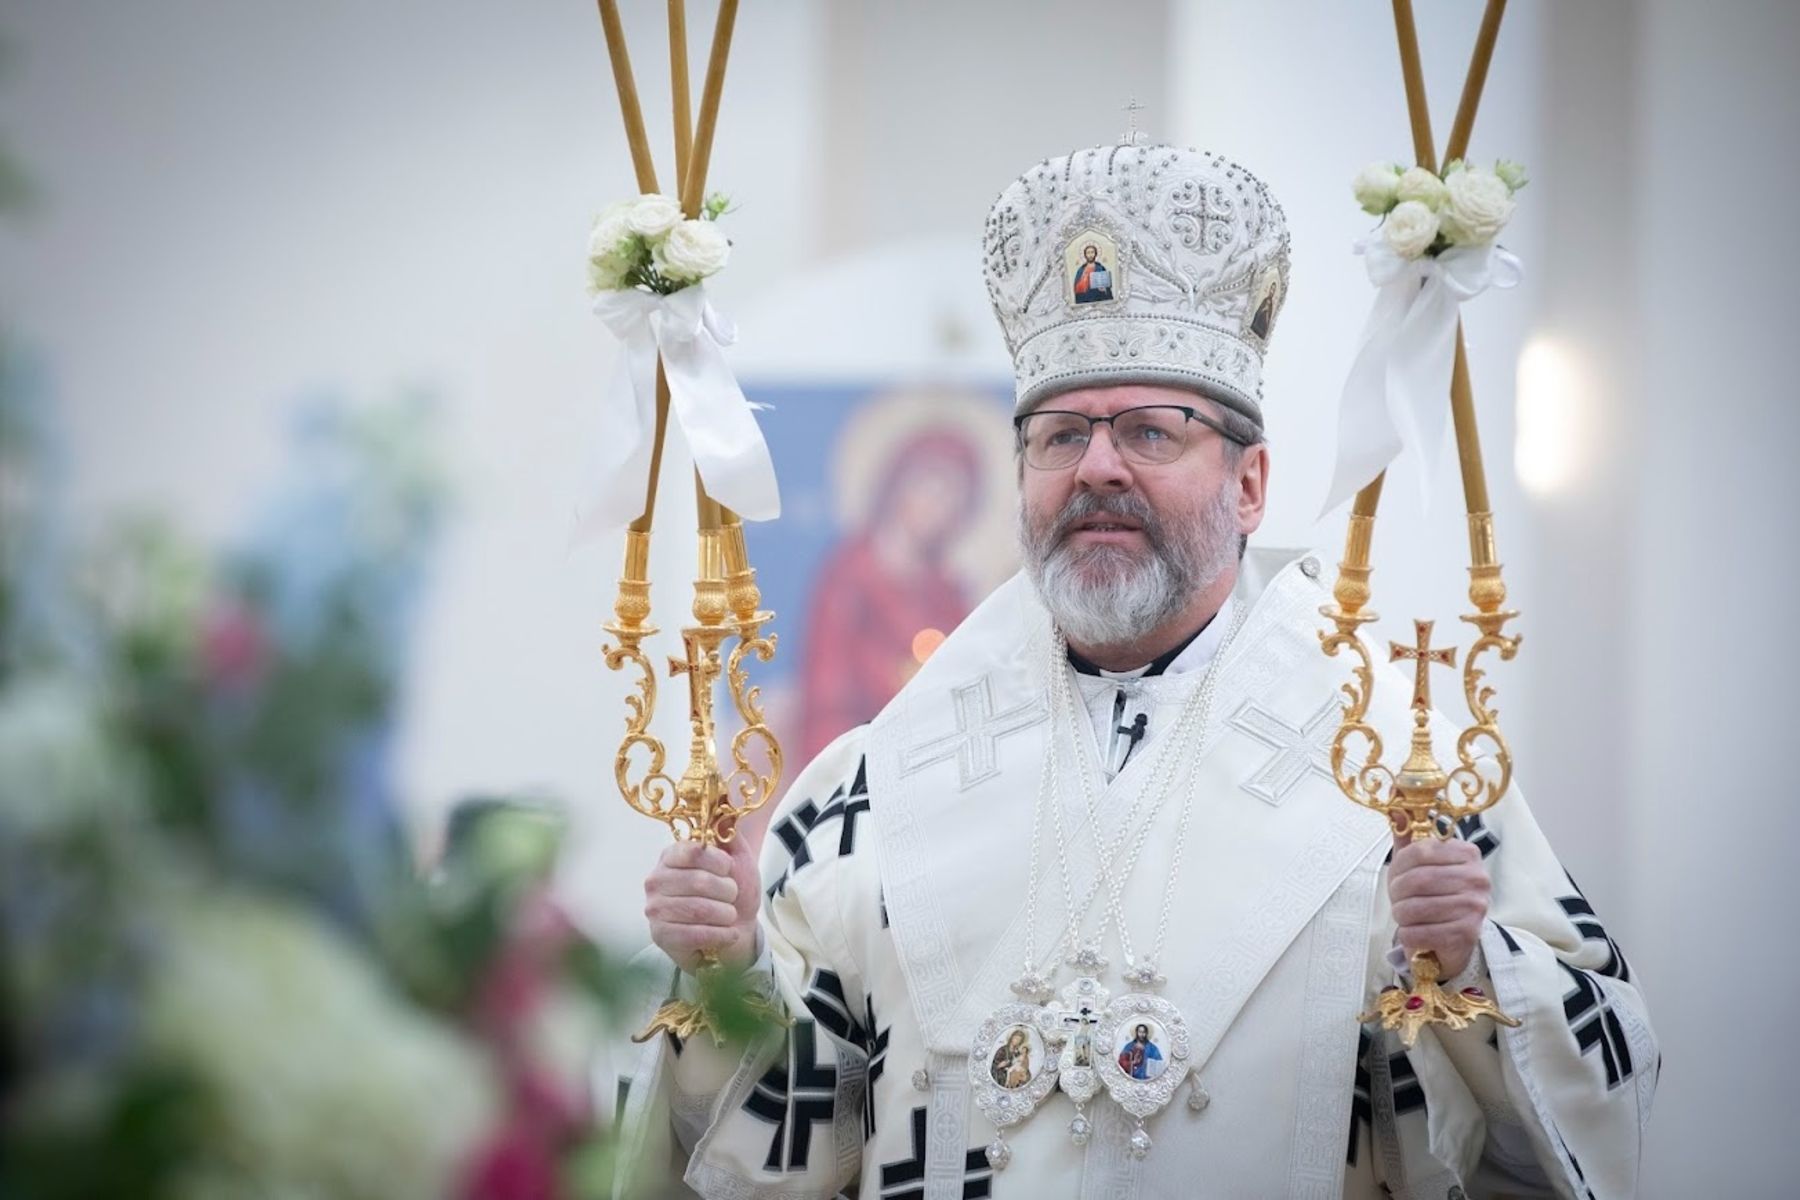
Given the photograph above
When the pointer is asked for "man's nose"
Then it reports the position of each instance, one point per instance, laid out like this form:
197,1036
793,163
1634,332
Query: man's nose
1103,468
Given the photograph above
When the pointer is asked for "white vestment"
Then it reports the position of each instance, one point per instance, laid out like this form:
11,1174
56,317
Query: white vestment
896,877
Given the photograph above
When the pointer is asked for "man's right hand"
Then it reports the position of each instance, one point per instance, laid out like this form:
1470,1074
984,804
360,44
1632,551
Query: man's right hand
704,898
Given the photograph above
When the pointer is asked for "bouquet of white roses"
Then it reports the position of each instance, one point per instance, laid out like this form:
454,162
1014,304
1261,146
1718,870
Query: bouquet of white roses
646,243
1425,213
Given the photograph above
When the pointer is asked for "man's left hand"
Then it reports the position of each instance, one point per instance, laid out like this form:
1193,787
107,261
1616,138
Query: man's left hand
1439,893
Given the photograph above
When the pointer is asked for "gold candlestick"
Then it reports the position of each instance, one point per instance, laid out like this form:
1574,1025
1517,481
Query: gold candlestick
1418,801
703,804
1422,799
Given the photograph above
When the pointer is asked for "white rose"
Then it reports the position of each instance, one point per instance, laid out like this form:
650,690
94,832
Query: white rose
1410,229
1480,203
608,272
1512,174
1375,186
692,251
652,215
1421,185
609,232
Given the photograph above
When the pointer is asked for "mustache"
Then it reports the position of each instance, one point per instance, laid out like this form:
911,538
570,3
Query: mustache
1083,505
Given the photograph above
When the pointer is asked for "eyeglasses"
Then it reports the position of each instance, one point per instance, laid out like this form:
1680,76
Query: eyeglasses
1055,440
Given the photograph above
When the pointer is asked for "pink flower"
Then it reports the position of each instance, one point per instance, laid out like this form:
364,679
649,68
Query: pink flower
234,646
522,972
517,1163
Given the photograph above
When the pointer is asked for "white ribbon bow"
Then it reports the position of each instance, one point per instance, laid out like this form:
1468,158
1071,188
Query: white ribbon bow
1397,396
716,419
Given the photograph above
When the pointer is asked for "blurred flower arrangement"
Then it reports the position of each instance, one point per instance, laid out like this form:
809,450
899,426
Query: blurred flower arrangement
221,974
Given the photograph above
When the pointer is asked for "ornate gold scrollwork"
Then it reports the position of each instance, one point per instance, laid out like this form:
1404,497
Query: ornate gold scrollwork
697,805
751,788
654,794
1368,784
1417,799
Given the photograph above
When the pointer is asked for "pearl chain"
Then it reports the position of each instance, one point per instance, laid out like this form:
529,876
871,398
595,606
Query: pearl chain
1197,711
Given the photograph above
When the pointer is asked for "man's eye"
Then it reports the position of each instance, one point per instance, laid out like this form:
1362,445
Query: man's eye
1065,437
1150,433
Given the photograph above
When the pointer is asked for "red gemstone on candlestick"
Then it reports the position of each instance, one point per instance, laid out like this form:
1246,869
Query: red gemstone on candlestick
1415,1002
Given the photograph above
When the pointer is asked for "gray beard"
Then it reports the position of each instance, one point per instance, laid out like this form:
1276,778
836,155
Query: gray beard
1110,596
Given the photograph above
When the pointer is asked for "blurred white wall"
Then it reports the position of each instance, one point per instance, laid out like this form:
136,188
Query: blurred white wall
1713,507
245,203
1305,96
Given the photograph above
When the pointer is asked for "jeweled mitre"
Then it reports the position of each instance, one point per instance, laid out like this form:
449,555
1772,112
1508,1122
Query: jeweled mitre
1137,264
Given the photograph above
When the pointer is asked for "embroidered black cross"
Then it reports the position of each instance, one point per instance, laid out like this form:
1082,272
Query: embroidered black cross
905,1179
791,832
794,1095
1475,832
844,805
1594,1023
846,809
830,1006
1587,924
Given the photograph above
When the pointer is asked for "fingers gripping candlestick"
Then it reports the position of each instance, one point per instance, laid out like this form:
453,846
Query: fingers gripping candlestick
1421,798
708,799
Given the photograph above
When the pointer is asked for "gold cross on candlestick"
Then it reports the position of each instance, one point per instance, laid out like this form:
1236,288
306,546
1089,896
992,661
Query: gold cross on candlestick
701,666
1423,656
1421,799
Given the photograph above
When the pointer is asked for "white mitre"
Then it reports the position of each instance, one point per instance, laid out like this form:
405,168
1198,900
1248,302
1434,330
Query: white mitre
1137,264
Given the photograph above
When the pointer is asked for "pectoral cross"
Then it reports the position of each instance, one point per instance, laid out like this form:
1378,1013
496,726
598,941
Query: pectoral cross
1422,656
1080,1021
1083,1003
1132,135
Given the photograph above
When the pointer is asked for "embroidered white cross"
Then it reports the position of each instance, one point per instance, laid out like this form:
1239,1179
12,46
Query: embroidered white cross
979,729
1297,751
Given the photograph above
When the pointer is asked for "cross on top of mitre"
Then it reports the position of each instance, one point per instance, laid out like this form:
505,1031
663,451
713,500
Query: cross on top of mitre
1132,135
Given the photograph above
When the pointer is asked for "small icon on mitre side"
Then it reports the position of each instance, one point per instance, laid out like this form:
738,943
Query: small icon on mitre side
1266,295
1091,269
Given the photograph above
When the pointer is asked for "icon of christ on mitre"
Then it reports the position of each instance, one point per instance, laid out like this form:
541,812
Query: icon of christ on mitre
1083,911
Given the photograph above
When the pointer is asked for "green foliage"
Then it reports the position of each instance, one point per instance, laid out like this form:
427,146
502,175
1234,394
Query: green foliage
215,735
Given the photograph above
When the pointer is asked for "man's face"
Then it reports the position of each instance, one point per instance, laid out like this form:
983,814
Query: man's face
1090,253
1116,547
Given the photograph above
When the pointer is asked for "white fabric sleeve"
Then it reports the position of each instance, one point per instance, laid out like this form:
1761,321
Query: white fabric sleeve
1556,1106
784,1117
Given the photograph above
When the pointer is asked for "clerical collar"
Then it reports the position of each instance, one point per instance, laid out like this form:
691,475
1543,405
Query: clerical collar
1156,666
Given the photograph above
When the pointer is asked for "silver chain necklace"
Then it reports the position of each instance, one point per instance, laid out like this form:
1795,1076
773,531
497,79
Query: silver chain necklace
1012,1065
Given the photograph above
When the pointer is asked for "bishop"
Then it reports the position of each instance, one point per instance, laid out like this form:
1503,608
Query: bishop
1054,886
